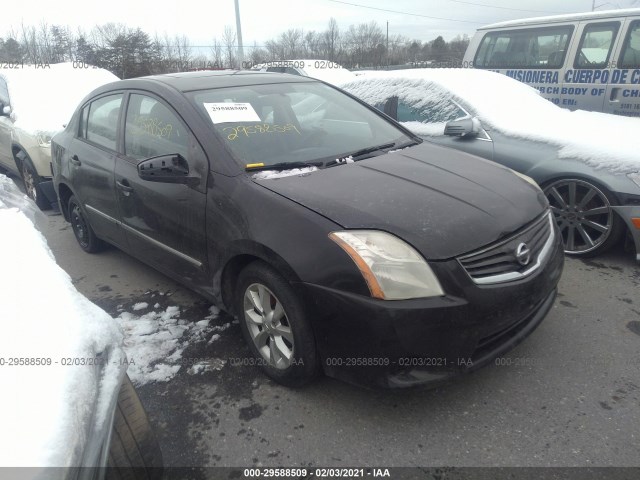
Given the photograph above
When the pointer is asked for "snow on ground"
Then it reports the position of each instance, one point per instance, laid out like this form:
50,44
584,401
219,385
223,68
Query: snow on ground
155,341
55,407
502,103
44,99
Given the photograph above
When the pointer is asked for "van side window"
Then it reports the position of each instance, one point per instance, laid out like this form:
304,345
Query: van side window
102,121
595,45
525,48
630,57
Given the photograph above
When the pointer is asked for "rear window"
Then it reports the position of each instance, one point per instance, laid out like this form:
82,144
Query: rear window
526,48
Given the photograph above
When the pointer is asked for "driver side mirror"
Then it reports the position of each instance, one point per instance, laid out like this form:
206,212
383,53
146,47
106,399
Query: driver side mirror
6,110
172,168
465,127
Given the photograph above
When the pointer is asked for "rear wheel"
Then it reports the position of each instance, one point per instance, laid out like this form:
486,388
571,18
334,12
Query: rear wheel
275,325
81,229
583,212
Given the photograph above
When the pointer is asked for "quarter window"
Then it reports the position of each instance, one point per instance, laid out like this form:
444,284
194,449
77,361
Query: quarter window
595,45
525,48
630,57
102,121
153,129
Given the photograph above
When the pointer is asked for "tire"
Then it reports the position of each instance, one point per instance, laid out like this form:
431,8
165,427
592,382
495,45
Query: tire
31,179
134,452
82,229
585,219
284,346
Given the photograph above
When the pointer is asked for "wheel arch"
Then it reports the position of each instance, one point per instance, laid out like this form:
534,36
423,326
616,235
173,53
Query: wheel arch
64,194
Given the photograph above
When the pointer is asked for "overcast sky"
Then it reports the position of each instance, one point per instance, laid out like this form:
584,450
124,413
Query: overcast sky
265,19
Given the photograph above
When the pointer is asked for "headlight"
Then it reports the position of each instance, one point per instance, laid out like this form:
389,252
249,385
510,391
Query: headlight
527,178
44,139
392,269
634,177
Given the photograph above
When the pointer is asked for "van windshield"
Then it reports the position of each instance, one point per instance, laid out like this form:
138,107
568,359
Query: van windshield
293,122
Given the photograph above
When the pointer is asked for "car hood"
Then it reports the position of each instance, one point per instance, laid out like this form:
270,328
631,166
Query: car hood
442,201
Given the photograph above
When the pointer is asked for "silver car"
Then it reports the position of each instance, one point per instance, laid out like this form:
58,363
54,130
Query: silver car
585,162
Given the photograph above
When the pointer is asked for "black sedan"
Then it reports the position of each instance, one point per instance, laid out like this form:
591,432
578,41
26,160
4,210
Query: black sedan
341,241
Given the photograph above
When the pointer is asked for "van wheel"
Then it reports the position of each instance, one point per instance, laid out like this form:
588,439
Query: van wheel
31,180
81,229
585,219
275,326
134,452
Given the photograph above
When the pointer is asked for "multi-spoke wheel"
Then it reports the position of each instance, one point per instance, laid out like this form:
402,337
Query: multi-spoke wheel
274,323
584,216
81,228
31,180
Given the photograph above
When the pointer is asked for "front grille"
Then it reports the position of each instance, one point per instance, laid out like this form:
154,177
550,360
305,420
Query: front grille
508,260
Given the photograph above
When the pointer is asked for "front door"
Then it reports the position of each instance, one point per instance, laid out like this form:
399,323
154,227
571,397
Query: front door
164,222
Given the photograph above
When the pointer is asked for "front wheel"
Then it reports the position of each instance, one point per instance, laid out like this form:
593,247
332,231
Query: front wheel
275,325
585,219
31,180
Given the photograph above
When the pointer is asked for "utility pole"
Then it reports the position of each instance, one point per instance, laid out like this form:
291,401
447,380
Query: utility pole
387,44
239,35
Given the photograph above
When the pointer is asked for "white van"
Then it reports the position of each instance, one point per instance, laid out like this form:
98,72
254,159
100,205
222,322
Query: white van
587,61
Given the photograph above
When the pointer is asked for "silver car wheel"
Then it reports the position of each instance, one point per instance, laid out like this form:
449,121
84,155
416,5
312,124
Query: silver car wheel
583,214
268,326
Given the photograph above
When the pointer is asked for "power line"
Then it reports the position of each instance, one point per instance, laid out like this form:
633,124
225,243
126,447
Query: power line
505,8
406,13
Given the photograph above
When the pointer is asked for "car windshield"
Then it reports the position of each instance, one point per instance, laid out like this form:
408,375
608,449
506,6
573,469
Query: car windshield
294,123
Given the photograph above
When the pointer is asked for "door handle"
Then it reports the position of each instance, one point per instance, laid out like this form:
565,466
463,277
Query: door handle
124,186
75,160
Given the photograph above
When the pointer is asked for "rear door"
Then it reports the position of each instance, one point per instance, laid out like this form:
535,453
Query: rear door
623,91
164,222
92,156
6,127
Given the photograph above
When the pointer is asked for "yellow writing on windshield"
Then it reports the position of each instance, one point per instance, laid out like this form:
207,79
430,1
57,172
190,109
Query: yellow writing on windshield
153,126
240,130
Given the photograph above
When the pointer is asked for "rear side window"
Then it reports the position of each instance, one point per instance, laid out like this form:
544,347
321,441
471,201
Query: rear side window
630,57
152,129
527,48
596,45
101,118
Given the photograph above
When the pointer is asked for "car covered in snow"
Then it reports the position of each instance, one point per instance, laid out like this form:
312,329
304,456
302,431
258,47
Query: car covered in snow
37,101
587,163
329,230
66,400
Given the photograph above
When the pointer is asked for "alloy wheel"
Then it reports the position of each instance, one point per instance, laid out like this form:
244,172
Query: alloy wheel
29,182
268,326
583,214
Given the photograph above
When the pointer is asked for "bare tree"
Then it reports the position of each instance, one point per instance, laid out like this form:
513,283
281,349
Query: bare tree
229,41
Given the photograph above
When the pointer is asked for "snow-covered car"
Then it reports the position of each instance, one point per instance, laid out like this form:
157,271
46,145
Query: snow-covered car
324,70
36,101
66,400
587,163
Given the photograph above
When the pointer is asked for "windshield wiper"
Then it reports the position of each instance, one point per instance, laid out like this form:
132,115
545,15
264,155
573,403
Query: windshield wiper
352,157
256,167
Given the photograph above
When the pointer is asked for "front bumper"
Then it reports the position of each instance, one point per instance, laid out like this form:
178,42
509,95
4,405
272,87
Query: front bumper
406,343
628,213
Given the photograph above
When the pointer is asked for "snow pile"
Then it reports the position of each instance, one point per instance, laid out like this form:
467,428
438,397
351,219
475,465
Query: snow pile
513,108
271,174
44,99
54,410
155,341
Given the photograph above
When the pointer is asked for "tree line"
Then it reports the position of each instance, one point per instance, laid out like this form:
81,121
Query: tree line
130,52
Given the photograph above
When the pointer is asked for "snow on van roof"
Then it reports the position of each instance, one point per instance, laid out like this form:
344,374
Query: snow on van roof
623,12
45,97
513,108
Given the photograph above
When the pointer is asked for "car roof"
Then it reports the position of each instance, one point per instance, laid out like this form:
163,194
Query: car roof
601,15
200,80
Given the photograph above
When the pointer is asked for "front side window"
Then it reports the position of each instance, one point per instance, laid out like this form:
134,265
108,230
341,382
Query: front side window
441,112
595,45
293,122
102,121
526,48
152,129
4,92
630,57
